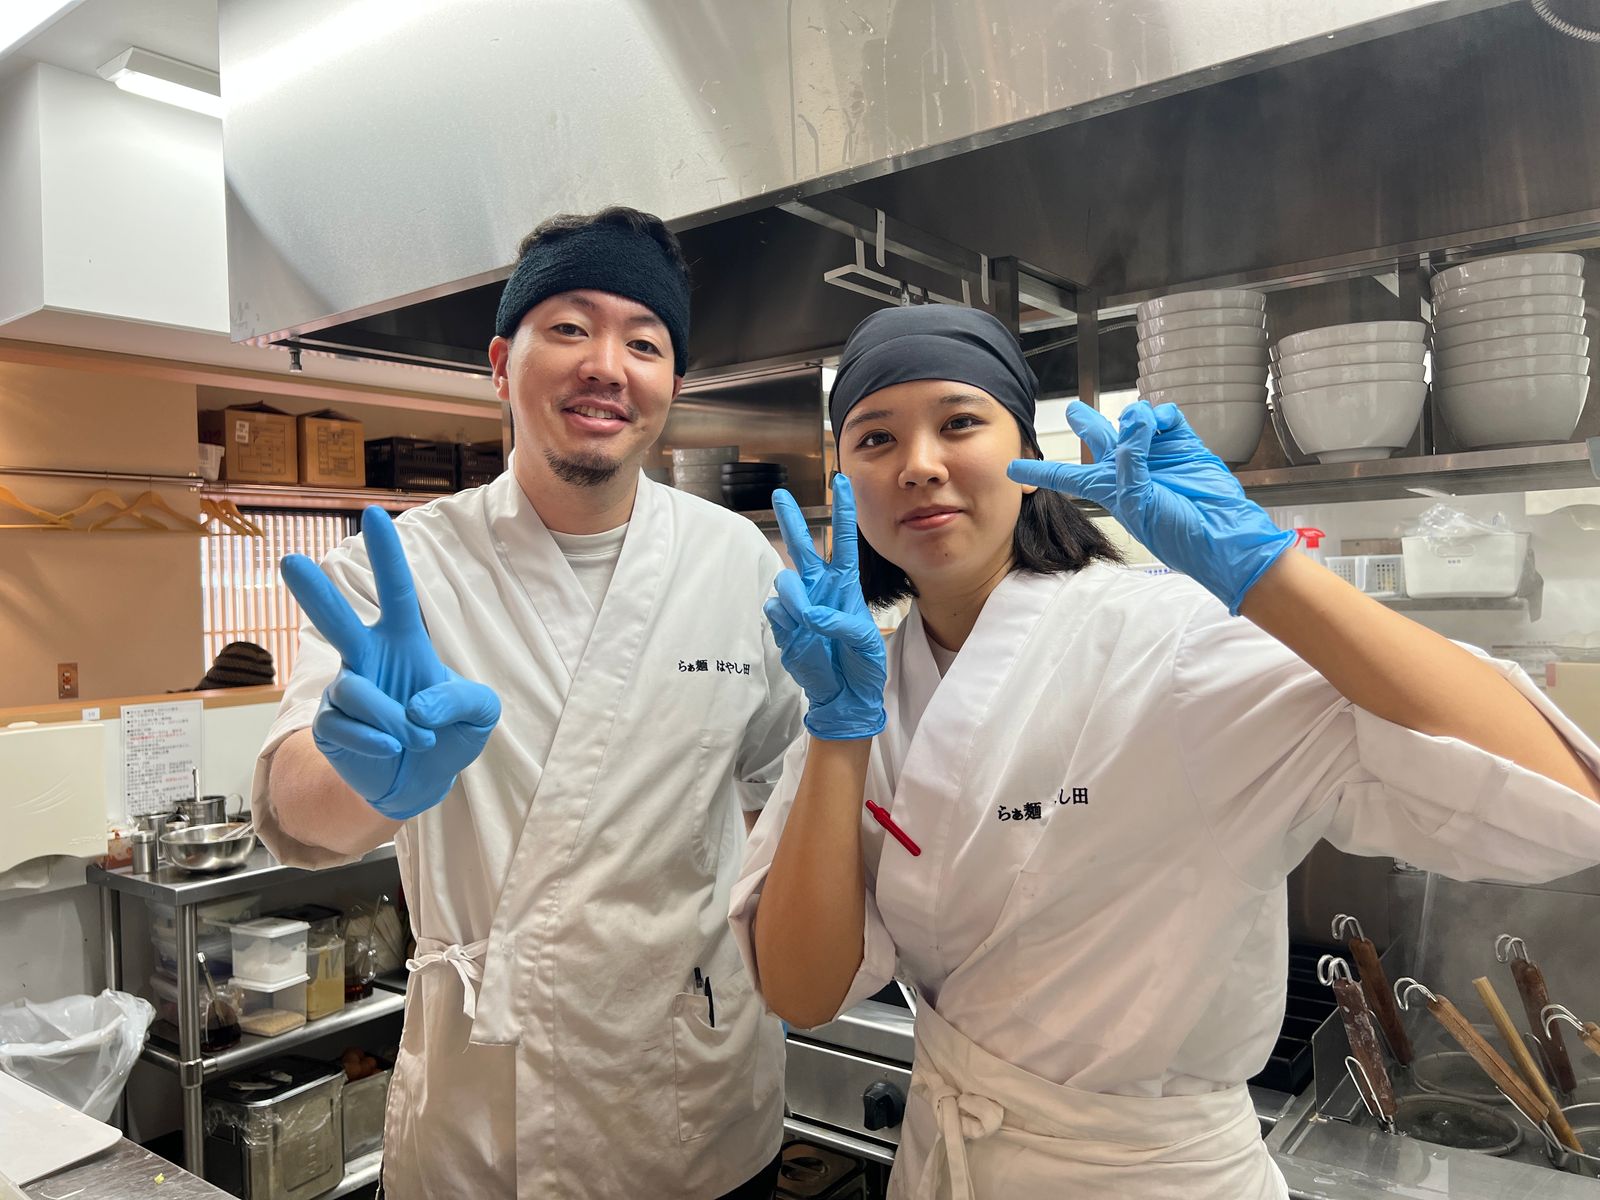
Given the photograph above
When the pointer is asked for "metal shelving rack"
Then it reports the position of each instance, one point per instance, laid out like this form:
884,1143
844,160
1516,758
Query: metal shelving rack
184,893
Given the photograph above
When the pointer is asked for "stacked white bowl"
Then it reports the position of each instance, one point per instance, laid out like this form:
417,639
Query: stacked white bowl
1206,352
1350,393
1508,349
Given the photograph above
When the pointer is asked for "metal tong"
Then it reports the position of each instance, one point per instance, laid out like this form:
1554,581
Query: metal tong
1375,983
1486,1056
1364,1063
1535,995
1587,1030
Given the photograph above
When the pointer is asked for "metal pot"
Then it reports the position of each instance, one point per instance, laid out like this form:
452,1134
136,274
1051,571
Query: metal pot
1585,1122
219,847
1461,1124
206,810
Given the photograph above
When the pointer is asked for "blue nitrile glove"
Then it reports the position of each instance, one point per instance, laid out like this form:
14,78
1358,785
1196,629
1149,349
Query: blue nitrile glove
396,723
826,635
1157,478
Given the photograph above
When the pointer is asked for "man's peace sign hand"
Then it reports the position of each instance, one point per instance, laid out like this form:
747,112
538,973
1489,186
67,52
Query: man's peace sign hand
396,723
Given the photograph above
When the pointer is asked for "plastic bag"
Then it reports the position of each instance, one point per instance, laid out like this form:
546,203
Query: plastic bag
1441,523
79,1049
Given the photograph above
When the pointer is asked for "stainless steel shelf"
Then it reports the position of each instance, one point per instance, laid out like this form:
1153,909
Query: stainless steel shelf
1510,602
253,1049
765,518
358,1173
1473,472
173,887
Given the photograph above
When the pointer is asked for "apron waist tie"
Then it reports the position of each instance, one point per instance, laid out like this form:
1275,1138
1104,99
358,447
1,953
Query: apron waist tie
963,1117
467,961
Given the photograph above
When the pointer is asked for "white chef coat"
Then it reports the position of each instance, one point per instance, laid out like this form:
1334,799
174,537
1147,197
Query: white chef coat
578,872
1110,786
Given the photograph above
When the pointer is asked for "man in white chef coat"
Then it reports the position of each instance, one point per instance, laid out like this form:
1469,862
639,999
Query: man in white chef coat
558,722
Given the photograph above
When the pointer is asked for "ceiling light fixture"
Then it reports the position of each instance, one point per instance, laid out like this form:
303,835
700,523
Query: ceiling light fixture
21,19
157,77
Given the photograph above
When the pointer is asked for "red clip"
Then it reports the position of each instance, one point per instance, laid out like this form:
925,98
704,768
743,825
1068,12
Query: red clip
899,835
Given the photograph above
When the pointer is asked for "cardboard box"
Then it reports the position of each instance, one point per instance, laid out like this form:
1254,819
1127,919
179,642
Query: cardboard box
332,451
257,440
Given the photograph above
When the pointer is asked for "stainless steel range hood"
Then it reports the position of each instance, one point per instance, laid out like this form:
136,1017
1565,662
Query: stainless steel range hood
383,159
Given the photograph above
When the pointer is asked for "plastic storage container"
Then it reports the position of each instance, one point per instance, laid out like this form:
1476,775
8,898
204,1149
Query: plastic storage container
271,1009
364,1103
1482,566
219,1028
270,950
414,464
1382,576
325,968
478,463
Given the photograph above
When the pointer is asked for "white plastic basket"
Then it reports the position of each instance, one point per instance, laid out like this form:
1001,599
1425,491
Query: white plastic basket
1382,576
1485,566
210,462
1346,566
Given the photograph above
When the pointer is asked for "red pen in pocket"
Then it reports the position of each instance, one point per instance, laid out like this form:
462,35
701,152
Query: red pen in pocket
899,835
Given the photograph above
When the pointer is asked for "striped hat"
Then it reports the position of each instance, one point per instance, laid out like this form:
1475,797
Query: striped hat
240,664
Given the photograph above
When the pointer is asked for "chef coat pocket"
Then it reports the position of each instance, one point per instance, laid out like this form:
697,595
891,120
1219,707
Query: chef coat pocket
723,1073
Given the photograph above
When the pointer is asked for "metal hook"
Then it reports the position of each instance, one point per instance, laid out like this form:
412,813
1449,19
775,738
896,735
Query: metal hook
1331,967
1508,946
1344,921
1403,989
1368,1094
1559,1012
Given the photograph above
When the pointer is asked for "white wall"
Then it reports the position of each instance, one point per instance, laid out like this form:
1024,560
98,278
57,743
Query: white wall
133,223
21,244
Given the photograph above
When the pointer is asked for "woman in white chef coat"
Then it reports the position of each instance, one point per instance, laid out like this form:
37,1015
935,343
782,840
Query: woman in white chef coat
1063,799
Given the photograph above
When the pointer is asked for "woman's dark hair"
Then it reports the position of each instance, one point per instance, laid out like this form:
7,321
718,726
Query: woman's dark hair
1051,535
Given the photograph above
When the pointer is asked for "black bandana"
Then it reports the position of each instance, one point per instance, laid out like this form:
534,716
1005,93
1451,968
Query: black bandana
605,258
934,341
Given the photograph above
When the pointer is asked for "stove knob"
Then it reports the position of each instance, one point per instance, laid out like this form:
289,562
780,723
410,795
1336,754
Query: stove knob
882,1106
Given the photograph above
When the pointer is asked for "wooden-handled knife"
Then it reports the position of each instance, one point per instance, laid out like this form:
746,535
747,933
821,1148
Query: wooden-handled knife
1380,1000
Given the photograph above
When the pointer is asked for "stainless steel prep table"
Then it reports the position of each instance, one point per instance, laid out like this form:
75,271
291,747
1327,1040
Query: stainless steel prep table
127,1171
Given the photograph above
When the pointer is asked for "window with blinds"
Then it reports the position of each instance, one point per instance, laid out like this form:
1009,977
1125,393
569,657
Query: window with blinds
245,598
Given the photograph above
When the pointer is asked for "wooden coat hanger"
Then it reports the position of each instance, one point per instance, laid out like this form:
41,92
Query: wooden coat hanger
147,500
107,496
246,526
47,520
219,510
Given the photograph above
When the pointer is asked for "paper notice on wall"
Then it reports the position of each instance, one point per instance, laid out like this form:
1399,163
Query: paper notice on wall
160,754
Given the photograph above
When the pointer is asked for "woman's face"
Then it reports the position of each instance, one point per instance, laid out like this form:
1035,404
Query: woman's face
927,460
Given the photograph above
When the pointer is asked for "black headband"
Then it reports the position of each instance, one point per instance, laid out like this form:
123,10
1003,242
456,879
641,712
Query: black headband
604,258
934,341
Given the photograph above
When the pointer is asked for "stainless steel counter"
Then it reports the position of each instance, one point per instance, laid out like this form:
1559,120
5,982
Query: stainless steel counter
127,1171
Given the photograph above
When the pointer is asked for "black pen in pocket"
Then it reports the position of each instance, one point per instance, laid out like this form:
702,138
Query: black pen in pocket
711,1004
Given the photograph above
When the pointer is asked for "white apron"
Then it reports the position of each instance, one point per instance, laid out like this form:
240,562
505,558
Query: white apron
1109,787
566,890
978,1127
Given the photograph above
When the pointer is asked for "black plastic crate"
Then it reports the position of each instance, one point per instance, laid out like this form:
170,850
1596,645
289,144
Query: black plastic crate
411,464
478,463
